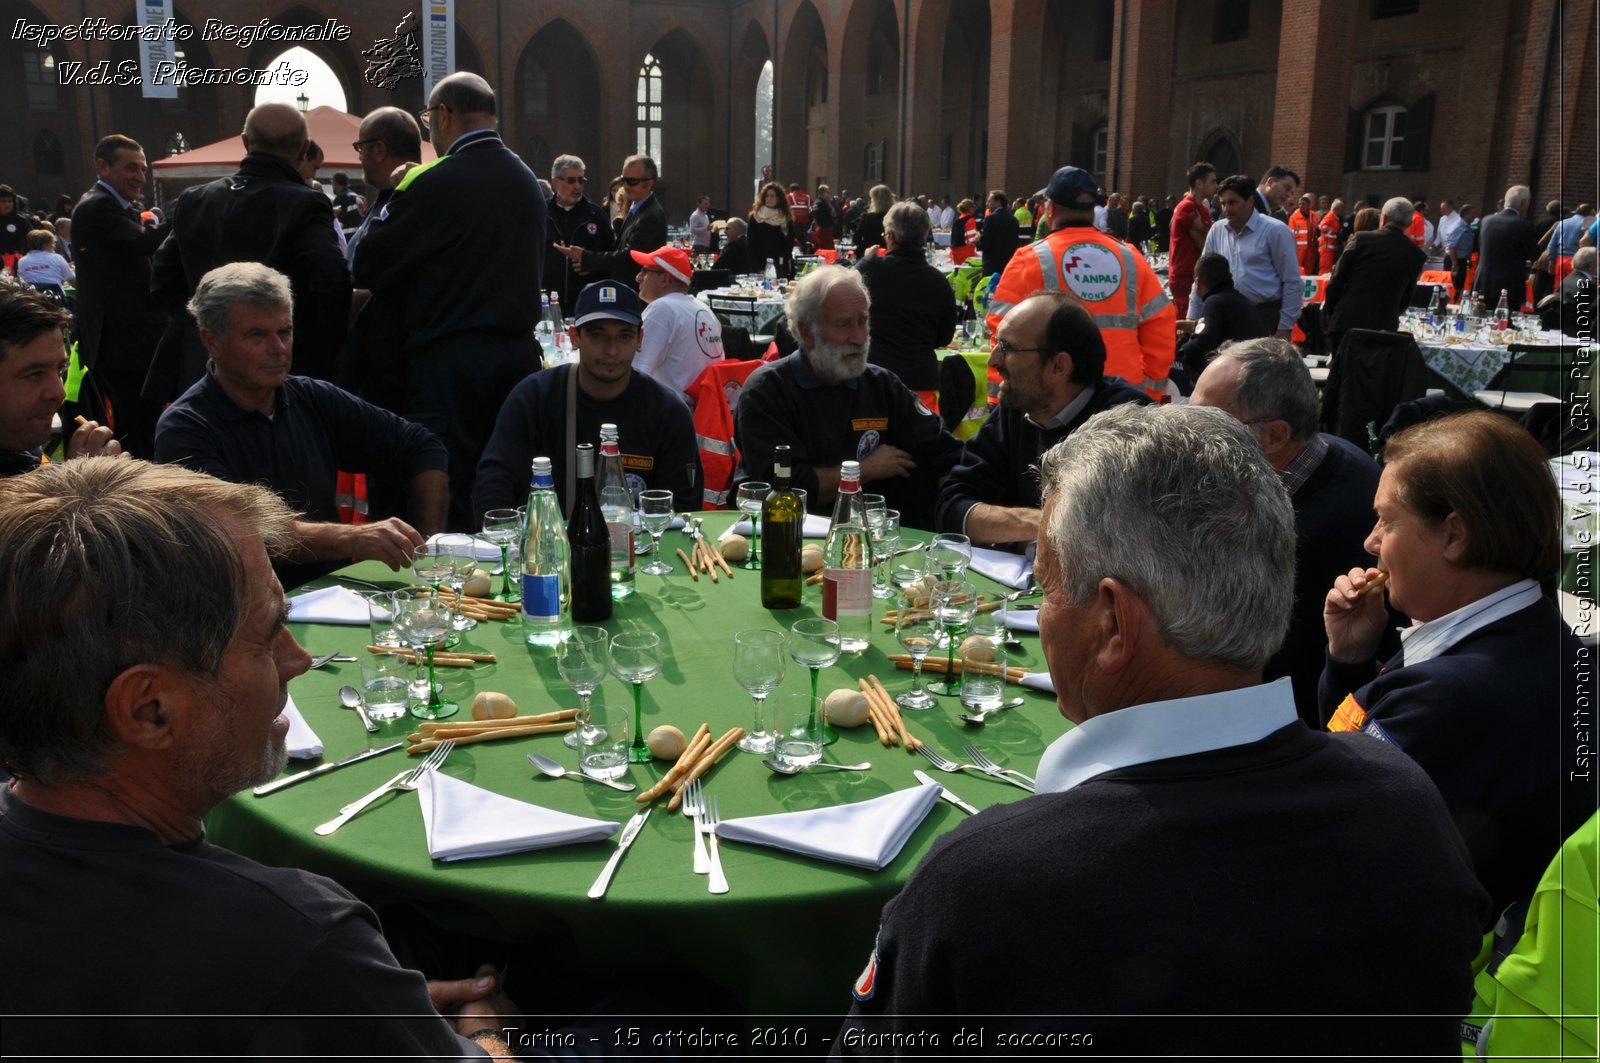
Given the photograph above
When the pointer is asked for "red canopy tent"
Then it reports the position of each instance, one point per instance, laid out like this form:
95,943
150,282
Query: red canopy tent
332,129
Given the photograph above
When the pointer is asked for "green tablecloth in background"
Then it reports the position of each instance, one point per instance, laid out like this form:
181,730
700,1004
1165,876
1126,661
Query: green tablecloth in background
793,932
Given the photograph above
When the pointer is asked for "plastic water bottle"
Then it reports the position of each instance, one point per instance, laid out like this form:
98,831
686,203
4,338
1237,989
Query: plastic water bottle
616,505
847,565
558,325
541,331
771,275
1435,305
546,565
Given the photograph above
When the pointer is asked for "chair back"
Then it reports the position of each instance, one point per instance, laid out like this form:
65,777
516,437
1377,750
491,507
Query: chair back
1372,372
737,310
1534,367
714,396
710,278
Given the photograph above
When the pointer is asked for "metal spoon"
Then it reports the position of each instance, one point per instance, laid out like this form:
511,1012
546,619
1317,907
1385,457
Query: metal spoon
549,767
795,769
323,658
350,698
979,717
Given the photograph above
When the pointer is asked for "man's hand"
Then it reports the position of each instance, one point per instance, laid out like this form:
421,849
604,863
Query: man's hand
885,463
1354,620
1184,327
447,997
400,171
93,440
1284,333
390,541
574,255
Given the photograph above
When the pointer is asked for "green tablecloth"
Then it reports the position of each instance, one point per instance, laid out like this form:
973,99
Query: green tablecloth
791,935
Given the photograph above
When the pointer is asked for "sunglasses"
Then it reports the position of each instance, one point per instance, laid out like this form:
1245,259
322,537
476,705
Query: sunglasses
631,181
573,180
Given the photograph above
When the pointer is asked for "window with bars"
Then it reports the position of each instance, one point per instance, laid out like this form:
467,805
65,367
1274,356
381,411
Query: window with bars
535,88
39,71
649,109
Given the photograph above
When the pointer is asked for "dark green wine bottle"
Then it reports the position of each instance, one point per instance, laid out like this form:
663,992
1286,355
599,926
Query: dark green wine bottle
782,531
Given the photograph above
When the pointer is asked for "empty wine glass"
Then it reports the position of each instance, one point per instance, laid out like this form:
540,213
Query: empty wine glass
949,554
953,603
501,527
751,495
918,631
423,623
655,513
814,644
759,664
972,328
430,563
636,659
583,656
461,553
883,527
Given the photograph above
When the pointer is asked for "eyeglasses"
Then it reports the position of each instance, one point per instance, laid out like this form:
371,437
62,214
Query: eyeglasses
357,145
1005,350
573,180
425,115
631,181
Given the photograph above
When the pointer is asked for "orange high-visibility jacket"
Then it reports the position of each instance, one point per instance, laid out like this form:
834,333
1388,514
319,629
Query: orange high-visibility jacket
1330,226
1416,230
1305,241
1114,283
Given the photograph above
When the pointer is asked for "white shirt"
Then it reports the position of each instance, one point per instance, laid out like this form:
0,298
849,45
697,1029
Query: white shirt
1158,730
1427,233
699,228
947,217
45,267
1446,228
1100,214
1424,642
1262,258
681,337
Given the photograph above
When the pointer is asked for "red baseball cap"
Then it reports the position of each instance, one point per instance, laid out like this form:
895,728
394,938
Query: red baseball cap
673,260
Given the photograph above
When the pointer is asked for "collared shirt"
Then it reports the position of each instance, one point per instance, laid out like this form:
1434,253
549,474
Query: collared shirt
123,203
1569,230
1446,230
633,208
471,136
1159,730
1425,641
1065,415
1263,261
1302,465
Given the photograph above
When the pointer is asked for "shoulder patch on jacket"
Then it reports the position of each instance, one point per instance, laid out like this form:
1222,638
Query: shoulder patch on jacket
866,984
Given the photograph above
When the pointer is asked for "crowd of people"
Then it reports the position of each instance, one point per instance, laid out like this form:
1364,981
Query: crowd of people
1294,672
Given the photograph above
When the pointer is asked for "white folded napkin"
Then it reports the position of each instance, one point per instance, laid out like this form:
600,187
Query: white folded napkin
302,742
482,549
463,821
1038,681
1023,620
814,527
1013,570
330,605
865,834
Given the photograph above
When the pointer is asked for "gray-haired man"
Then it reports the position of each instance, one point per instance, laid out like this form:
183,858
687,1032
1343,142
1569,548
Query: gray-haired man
1193,847
576,221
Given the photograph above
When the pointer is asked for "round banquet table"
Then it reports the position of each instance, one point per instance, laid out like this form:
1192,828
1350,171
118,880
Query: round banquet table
791,935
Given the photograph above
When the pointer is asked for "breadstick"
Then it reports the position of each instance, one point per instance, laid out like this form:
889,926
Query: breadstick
686,760
907,739
1373,583
688,565
875,713
492,736
712,755
483,725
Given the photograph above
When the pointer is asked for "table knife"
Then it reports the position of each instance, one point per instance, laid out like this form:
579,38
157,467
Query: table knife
630,832
273,787
944,792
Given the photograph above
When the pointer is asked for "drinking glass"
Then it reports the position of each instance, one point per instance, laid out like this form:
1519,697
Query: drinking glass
502,527
385,686
461,553
380,619
798,740
918,631
907,569
605,753
983,662
883,526
655,513
971,328
950,554
751,495
759,664
814,644
430,562
583,655
424,622
954,602
636,659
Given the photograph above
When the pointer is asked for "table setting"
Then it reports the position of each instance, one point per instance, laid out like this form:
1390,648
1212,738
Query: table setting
807,805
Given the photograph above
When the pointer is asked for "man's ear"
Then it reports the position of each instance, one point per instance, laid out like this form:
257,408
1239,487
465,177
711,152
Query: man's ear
1121,622
139,707
805,336
1456,540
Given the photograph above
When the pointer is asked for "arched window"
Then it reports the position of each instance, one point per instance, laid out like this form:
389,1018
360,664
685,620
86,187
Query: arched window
535,88
1383,138
48,158
649,109
1224,155
39,70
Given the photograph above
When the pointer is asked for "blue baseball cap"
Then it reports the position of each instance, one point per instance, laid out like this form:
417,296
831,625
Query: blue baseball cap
1068,187
608,300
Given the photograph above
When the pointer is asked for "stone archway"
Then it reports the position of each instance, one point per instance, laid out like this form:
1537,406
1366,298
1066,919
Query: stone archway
558,101
689,123
869,77
803,110
752,56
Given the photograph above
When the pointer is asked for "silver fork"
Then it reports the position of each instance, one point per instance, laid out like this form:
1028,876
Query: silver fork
942,762
406,780
989,767
692,802
709,817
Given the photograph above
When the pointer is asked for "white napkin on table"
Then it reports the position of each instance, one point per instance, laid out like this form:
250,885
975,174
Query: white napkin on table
865,834
330,605
1023,620
482,549
463,821
302,742
1038,681
1013,570
814,527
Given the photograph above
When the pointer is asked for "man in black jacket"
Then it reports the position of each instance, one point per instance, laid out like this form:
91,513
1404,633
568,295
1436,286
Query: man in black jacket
118,324
575,221
1507,244
998,240
1051,362
735,256
265,212
644,229
913,308
1224,315
451,248
1374,278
